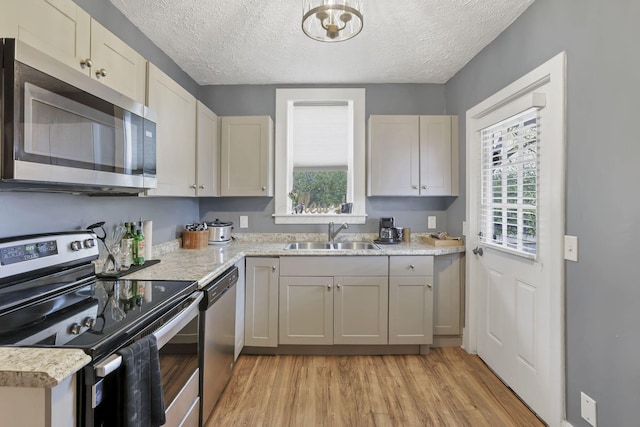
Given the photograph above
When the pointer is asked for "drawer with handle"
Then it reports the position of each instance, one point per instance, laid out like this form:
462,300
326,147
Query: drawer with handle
411,265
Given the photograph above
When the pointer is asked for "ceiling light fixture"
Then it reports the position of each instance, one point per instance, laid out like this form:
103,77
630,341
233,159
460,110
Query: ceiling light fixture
332,20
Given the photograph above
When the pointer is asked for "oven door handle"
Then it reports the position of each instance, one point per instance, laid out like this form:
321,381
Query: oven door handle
109,365
171,328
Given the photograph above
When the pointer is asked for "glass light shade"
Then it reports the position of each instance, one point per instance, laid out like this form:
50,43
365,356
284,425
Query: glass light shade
332,20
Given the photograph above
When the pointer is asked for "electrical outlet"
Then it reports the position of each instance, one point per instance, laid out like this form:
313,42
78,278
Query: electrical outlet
588,409
244,221
431,222
571,248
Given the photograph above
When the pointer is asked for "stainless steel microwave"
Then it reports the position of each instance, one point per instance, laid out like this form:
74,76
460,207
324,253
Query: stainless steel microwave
64,131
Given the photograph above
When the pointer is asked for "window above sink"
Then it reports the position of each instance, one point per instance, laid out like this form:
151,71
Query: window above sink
308,152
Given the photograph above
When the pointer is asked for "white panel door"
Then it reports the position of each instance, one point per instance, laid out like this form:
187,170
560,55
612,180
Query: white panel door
515,296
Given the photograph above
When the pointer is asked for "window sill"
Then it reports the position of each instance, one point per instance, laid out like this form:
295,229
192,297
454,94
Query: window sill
320,219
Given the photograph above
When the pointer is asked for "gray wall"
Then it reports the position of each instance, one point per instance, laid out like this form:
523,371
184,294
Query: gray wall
603,88
380,99
25,213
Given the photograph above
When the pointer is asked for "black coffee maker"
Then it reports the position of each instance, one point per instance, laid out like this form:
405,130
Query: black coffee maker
388,232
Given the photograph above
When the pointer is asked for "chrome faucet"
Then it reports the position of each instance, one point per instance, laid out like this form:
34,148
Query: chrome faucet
333,234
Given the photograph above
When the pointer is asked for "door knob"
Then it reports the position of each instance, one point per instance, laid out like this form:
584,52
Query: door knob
478,251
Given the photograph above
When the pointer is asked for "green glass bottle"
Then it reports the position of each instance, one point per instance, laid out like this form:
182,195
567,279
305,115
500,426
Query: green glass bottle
138,246
126,247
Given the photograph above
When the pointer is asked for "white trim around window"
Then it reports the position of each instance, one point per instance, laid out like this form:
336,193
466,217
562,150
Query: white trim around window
285,99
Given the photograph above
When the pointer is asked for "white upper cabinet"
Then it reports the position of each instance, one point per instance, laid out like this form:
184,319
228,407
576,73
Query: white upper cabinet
117,64
59,28
176,135
413,156
207,152
64,31
246,156
394,156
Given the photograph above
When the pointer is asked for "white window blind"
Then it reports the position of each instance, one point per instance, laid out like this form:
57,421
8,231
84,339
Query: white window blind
321,136
510,183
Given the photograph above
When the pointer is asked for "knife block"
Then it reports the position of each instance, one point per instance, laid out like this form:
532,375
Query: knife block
195,239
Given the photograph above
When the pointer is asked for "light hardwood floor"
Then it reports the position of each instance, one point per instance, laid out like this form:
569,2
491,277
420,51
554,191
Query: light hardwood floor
448,387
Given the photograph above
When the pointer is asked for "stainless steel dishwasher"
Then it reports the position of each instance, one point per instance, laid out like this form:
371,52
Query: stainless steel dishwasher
217,329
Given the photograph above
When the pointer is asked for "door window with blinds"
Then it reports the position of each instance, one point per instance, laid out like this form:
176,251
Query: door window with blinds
321,153
509,200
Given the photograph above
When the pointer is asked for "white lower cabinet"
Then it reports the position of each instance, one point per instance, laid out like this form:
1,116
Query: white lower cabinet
333,310
328,300
261,302
410,300
351,300
306,310
447,295
360,310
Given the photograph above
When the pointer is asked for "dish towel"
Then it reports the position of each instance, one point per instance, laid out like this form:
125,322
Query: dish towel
142,396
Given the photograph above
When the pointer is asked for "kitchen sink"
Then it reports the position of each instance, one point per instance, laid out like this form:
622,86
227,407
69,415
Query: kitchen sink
308,245
355,245
331,246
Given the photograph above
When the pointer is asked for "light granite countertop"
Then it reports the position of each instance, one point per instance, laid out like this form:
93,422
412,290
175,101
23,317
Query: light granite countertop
45,367
39,367
206,264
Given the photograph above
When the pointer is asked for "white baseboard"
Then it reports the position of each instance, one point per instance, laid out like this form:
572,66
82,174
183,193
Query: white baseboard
566,423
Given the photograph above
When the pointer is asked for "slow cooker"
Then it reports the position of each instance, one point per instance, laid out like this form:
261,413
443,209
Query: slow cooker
219,232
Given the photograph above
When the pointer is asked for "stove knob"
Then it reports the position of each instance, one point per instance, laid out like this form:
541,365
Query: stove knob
89,243
75,329
89,322
76,246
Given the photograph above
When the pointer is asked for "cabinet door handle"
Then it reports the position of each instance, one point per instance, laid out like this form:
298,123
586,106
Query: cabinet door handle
273,268
194,186
329,287
429,285
264,188
338,286
101,73
415,187
201,187
86,63
424,187
411,266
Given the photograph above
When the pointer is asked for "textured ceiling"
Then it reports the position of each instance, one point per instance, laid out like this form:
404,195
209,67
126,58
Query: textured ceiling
222,42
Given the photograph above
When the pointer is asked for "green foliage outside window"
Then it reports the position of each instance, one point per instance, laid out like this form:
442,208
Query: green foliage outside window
324,188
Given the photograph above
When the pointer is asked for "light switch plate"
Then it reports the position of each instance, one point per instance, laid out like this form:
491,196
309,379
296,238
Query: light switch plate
571,248
244,221
588,409
431,222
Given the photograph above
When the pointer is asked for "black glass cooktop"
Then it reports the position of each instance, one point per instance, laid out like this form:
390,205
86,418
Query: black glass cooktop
98,317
